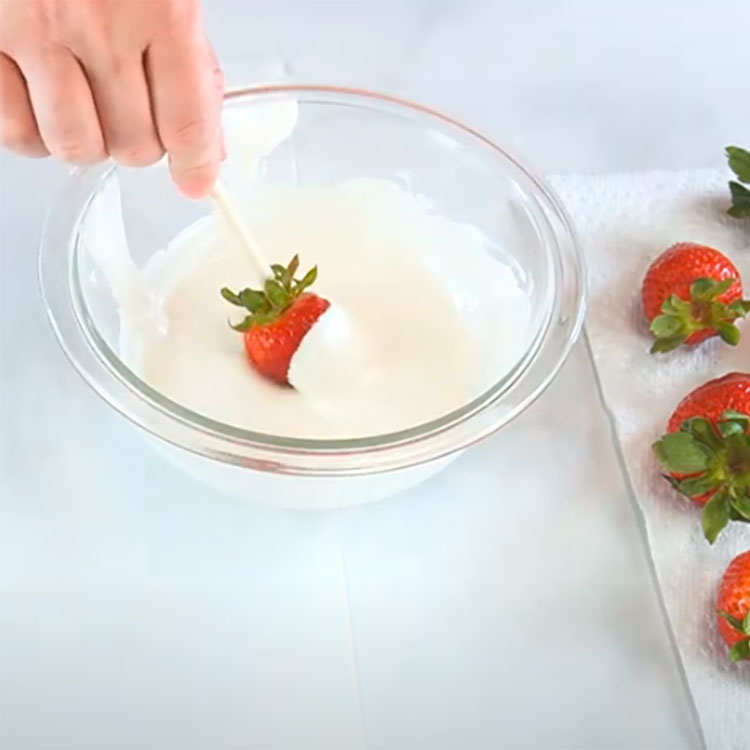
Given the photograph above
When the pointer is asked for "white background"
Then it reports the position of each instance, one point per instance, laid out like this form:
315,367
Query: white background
508,602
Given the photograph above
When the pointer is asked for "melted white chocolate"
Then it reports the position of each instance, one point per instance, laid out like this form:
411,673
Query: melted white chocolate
423,318
435,319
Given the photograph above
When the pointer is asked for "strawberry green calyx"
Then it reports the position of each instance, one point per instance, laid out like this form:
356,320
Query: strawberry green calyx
704,311
739,162
278,294
741,650
707,460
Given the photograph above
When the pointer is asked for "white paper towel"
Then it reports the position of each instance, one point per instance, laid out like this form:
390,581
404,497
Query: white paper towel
624,222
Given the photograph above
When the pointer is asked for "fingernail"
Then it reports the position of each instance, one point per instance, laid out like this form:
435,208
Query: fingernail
195,183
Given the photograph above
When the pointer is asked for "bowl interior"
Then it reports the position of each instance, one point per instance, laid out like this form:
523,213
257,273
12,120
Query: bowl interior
342,135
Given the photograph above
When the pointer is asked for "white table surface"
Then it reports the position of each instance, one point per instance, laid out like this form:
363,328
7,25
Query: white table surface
140,610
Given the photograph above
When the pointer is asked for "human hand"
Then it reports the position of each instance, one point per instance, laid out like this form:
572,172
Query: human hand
83,79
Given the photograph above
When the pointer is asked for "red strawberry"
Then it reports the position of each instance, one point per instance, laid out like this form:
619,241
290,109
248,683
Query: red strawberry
690,293
734,607
280,317
707,450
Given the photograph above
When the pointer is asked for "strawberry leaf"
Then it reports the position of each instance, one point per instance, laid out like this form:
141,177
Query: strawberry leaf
715,516
736,623
662,346
741,504
290,271
735,516
697,486
700,289
738,451
308,279
276,293
252,300
667,326
245,325
733,423
740,651
739,162
231,297
705,458
706,289
729,333
680,452
704,311
740,201
703,431
674,305
720,287
730,427
738,417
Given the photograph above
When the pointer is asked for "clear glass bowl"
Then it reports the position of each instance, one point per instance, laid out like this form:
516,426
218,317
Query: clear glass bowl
341,134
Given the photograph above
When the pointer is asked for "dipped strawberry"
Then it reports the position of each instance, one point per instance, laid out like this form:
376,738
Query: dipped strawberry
690,293
280,316
734,607
707,450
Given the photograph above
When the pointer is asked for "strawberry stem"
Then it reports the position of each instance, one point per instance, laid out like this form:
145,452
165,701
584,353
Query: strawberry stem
706,459
681,318
278,294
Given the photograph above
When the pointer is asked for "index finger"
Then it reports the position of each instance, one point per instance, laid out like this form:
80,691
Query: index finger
186,91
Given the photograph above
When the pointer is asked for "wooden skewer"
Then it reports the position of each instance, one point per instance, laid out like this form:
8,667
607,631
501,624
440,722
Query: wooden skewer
223,201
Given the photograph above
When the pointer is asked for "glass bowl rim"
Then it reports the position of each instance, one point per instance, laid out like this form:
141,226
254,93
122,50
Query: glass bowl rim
249,448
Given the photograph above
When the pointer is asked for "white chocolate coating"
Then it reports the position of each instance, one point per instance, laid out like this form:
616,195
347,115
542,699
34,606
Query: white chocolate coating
423,318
